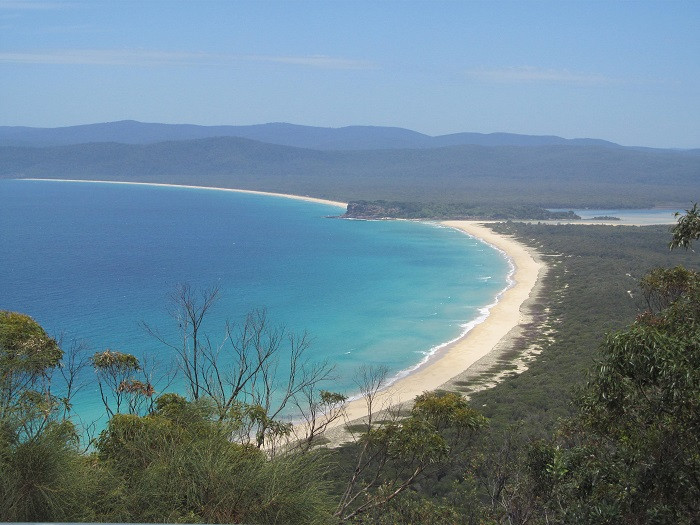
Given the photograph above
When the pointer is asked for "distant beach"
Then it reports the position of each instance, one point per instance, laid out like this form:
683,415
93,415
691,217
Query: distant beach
252,192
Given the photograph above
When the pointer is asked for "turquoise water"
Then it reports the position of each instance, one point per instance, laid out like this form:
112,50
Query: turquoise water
93,261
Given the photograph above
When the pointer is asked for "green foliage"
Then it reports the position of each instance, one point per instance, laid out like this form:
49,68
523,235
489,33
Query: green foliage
410,509
175,407
449,210
40,469
179,464
630,454
597,283
445,410
28,358
626,453
113,360
661,287
329,399
46,478
411,440
687,229
117,387
25,346
400,453
594,285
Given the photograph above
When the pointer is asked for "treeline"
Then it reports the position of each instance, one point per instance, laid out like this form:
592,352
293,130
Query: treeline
449,210
620,449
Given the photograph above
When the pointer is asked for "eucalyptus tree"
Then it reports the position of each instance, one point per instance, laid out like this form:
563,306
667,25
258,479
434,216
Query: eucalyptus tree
396,452
43,476
28,360
687,228
254,372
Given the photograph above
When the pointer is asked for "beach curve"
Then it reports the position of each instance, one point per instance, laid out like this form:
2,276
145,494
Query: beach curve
456,357
483,338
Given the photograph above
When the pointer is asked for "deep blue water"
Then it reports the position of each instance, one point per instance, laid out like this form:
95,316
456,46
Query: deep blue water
93,261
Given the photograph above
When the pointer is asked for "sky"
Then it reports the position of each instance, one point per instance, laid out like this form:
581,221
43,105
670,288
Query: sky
628,72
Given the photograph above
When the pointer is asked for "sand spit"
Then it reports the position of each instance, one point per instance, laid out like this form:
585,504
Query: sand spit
252,192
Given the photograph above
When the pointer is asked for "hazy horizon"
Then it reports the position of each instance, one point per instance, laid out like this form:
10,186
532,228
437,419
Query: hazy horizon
622,72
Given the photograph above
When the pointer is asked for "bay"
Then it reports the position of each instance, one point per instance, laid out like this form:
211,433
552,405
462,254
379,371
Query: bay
93,261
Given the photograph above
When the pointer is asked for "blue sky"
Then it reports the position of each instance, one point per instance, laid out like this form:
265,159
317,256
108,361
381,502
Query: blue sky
622,71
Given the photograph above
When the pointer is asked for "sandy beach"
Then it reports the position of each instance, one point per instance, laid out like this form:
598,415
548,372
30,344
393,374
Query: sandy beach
476,344
457,357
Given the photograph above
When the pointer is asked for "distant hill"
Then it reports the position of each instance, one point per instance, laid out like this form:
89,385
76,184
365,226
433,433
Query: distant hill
558,176
346,138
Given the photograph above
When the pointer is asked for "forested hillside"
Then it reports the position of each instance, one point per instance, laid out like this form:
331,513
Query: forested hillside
546,176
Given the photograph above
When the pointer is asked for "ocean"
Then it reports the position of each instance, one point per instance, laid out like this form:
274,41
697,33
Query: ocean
93,262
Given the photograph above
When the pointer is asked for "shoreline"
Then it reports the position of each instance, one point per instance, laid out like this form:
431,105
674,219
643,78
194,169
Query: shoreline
453,358
192,187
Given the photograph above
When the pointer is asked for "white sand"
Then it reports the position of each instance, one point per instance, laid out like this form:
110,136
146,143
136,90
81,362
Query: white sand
270,194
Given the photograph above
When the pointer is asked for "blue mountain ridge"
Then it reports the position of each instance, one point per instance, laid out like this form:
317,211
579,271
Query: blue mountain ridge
279,133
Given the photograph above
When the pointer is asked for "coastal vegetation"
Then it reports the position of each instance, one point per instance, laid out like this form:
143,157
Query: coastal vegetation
441,211
592,288
621,448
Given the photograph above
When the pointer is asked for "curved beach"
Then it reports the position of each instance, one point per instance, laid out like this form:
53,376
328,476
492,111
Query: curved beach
453,359
476,344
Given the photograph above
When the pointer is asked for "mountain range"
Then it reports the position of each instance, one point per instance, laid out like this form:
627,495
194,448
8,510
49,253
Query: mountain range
310,137
330,163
